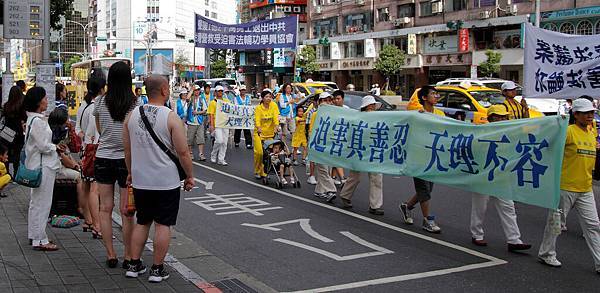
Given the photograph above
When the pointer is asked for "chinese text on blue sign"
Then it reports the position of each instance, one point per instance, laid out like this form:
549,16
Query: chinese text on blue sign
518,160
264,34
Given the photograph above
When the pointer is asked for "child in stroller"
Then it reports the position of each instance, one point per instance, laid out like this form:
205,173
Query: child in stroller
280,162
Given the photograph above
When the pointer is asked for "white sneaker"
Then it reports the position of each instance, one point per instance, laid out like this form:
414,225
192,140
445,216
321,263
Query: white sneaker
223,163
213,161
312,180
550,261
283,181
337,182
292,181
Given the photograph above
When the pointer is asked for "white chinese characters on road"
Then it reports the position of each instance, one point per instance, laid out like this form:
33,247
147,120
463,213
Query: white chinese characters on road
234,203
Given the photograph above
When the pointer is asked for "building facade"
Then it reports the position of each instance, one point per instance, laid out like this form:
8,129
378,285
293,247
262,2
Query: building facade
441,39
163,29
258,66
73,39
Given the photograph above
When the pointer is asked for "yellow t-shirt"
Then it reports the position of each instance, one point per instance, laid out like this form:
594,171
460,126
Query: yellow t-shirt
266,119
299,137
579,160
439,112
212,106
515,110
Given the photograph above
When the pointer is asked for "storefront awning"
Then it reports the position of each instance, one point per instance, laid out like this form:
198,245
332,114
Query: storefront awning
499,21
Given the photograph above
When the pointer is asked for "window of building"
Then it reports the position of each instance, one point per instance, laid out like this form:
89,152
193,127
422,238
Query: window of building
406,10
213,5
213,15
598,27
354,50
326,52
326,27
484,3
383,14
567,28
357,23
585,27
551,27
425,9
457,5
207,2
206,13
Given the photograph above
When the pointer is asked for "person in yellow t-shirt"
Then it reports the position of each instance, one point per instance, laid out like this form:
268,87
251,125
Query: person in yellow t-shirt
266,124
299,138
221,135
428,97
515,109
576,186
4,176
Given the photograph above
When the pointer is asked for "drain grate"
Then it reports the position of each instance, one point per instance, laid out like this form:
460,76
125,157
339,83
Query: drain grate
233,286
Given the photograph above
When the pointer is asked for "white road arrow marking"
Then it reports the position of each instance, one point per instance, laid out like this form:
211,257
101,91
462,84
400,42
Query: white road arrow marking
207,184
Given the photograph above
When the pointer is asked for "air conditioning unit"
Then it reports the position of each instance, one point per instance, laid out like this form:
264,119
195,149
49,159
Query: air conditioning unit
318,9
297,9
360,2
401,21
287,9
484,14
512,9
437,7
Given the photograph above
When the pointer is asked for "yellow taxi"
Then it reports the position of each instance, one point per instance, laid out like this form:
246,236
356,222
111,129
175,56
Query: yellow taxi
309,88
468,103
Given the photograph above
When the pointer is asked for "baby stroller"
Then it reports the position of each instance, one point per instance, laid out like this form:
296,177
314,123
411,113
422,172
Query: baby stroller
271,168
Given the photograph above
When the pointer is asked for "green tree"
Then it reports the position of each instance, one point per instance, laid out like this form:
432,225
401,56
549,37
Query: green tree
492,65
390,62
307,60
59,8
70,62
218,69
181,61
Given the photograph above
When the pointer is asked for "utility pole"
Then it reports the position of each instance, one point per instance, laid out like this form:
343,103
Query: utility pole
537,13
46,72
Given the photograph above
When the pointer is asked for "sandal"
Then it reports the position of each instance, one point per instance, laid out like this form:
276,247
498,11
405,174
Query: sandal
96,234
87,227
46,247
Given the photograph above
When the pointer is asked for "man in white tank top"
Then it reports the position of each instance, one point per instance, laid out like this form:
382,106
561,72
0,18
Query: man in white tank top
154,176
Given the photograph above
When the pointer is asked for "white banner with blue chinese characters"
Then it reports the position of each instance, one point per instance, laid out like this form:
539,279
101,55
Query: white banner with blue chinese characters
517,160
558,65
234,116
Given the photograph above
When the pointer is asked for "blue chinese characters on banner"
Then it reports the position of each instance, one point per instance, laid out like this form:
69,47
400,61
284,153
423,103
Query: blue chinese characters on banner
517,160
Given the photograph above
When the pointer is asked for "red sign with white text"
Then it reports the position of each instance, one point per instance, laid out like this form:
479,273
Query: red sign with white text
463,40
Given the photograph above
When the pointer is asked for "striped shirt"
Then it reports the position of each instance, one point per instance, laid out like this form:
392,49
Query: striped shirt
110,145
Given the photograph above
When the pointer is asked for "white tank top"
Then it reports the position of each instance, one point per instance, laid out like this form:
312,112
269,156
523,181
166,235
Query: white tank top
151,168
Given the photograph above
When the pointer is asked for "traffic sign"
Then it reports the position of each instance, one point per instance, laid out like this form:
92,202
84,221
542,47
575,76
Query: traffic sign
24,19
58,65
100,39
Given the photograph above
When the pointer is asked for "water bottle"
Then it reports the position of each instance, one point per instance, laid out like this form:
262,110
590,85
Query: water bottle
130,201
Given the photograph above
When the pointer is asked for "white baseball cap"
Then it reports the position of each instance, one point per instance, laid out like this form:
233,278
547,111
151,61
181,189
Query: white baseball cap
509,85
196,87
183,92
242,87
583,105
324,95
369,100
218,88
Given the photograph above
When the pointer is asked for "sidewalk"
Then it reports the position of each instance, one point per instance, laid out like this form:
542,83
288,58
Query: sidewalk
79,265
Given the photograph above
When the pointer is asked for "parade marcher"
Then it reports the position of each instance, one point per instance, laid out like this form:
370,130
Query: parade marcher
22,85
310,167
576,190
154,175
266,124
40,152
428,97
325,185
285,103
181,105
505,208
375,179
141,99
515,109
243,99
350,87
221,135
299,137
109,167
196,112
337,173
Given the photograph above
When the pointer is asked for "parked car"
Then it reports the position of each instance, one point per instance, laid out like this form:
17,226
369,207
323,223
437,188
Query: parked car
546,106
329,83
227,83
468,104
351,99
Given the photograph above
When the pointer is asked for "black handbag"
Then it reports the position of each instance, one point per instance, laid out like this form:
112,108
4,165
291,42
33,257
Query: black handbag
596,173
162,146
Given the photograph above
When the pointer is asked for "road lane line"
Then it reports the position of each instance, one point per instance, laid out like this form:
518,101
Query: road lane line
492,261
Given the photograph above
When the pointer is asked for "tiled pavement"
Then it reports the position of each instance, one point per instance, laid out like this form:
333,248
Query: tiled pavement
77,267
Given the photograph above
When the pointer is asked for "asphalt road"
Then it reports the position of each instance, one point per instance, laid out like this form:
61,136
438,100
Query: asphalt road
292,241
